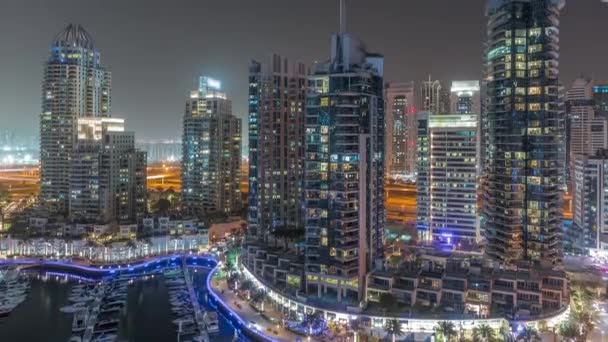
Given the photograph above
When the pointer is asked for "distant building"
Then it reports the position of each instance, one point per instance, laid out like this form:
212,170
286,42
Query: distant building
211,152
107,173
586,132
600,99
166,151
465,97
75,85
435,98
447,198
277,104
401,127
344,170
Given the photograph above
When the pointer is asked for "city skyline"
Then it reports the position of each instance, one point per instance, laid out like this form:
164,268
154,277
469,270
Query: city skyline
136,34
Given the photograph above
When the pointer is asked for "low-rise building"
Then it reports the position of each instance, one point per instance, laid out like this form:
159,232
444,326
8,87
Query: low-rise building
473,289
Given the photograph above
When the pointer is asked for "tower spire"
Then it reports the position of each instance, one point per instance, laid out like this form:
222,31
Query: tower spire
342,16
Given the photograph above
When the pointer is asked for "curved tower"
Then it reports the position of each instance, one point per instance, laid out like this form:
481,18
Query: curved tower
75,85
524,164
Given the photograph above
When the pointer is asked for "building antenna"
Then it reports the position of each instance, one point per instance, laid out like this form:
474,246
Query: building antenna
342,16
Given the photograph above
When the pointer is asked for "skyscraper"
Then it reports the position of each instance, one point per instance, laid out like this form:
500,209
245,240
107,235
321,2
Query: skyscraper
435,98
600,99
524,167
277,98
75,85
401,126
586,133
465,97
447,199
211,152
344,169
107,173
590,227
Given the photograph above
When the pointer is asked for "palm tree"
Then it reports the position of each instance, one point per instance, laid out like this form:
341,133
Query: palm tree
484,332
569,331
393,327
446,330
529,334
586,320
259,298
388,302
580,299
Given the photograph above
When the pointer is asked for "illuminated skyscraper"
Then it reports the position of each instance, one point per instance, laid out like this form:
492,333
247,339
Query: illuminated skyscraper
600,99
107,173
211,152
277,98
401,126
344,169
435,98
525,158
446,204
465,97
586,132
75,85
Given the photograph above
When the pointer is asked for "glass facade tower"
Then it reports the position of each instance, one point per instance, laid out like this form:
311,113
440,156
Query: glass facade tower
525,157
344,170
277,95
211,152
75,85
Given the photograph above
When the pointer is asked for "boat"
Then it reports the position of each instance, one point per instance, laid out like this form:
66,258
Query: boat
211,321
105,337
83,298
74,307
79,323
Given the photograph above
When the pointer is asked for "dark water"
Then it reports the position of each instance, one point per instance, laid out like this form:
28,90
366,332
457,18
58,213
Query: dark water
146,318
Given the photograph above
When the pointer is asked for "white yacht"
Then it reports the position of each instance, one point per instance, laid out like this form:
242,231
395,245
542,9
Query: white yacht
211,321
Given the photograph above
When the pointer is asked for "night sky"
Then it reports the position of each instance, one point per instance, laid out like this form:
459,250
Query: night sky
157,48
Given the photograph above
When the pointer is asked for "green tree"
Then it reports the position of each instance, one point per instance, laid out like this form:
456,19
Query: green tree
161,206
529,334
258,298
569,331
446,330
388,303
586,321
484,333
394,328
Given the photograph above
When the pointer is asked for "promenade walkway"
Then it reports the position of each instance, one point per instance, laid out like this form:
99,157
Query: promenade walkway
248,314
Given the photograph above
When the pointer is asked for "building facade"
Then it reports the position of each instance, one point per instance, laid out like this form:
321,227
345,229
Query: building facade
277,101
435,98
401,128
446,205
521,206
75,85
344,170
590,202
586,132
107,173
211,152
465,97
600,99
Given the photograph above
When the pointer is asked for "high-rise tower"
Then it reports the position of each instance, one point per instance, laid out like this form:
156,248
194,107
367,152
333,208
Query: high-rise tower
75,85
211,152
524,167
277,98
344,169
401,127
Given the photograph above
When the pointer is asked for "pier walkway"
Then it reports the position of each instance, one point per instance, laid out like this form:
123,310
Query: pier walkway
198,314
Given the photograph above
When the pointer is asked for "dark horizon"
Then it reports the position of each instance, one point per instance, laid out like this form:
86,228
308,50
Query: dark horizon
156,50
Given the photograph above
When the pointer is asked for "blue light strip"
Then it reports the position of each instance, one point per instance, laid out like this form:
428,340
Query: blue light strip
244,324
